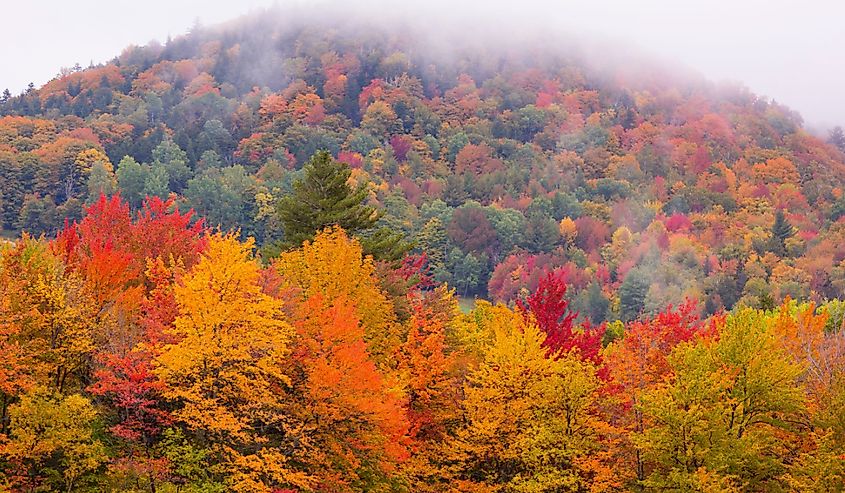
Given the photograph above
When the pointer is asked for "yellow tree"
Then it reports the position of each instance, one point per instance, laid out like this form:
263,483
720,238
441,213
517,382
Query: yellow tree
52,441
225,372
530,420
333,266
48,317
568,231
728,413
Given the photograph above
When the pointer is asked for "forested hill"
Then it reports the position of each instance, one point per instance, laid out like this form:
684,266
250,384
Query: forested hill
641,184
669,255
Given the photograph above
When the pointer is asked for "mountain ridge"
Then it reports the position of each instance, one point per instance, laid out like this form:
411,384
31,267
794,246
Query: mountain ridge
513,138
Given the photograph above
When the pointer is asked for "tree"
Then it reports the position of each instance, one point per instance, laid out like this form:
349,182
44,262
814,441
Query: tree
837,138
174,161
597,303
550,310
221,195
52,441
542,233
781,231
427,371
156,181
323,198
727,413
128,386
432,241
101,181
38,215
467,271
380,120
12,186
510,229
132,178
225,372
638,362
50,314
333,266
632,294
528,420
471,230
355,422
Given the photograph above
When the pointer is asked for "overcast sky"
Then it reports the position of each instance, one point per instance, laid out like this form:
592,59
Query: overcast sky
789,50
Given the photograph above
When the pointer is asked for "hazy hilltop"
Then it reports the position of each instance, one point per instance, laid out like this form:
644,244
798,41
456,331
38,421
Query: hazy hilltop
500,156
302,253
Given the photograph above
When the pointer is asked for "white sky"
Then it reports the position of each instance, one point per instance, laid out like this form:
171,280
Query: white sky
790,50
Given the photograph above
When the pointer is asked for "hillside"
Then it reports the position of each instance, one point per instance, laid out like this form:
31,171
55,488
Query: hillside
304,254
642,184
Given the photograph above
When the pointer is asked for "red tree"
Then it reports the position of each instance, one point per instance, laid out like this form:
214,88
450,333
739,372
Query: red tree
550,308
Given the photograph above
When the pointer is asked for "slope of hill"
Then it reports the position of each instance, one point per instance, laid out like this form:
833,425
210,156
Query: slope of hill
141,351
641,184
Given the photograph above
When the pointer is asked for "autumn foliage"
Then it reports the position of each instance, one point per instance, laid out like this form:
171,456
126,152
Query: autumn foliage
189,362
554,277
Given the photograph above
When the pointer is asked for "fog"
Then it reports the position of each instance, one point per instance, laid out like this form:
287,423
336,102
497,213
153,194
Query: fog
787,50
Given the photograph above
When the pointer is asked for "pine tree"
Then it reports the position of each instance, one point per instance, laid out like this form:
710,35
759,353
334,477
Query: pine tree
781,231
632,295
323,198
837,138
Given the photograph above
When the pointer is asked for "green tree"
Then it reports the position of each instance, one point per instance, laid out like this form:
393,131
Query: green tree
728,414
323,198
11,188
221,195
510,228
632,294
467,271
209,159
175,162
38,215
156,182
132,179
101,181
541,233
433,242
597,303
781,231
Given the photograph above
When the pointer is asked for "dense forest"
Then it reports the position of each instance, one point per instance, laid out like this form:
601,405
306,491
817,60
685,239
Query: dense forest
290,254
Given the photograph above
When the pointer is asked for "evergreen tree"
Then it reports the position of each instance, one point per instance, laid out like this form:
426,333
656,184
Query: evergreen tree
11,189
837,138
632,295
174,161
323,198
781,231
597,303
